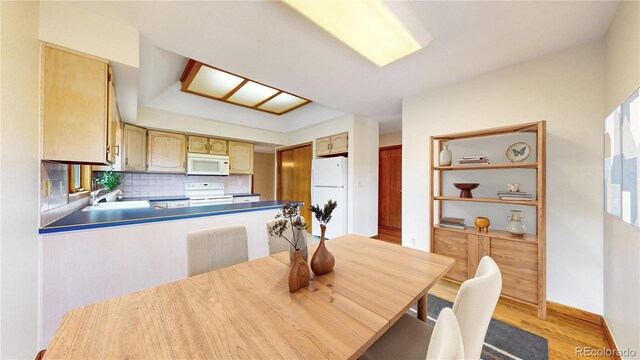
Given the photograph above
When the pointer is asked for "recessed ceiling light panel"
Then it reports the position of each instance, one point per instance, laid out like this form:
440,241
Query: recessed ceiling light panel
208,81
367,26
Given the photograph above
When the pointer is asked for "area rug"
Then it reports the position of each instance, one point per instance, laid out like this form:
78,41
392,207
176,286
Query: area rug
503,341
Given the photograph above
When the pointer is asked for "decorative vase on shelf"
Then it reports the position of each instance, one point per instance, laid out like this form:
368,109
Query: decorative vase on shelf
516,223
304,250
322,261
298,273
445,156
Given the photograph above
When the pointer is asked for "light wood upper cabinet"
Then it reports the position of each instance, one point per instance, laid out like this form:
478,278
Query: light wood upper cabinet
75,104
334,144
340,143
204,145
198,144
113,122
167,152
240,158
134,148
217,147
323,146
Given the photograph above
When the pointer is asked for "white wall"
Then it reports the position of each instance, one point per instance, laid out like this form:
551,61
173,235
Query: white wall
363,167
157,119
74,28
566,89
622,241
391,139
364,157
19,165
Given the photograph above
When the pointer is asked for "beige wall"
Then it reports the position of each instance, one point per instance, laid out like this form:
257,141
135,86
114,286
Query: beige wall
621,240
566,89
264,166
74,28
19,124
391,139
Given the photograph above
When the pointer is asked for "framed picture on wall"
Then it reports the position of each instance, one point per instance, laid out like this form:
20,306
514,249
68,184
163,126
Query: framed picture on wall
612,164
630,131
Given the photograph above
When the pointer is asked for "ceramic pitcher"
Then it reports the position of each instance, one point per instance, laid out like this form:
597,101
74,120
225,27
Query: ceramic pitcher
516,223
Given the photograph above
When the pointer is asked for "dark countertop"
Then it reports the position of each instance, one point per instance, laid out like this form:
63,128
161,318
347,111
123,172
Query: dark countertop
82,220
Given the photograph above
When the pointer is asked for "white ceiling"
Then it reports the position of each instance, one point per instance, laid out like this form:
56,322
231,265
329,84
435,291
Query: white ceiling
268,42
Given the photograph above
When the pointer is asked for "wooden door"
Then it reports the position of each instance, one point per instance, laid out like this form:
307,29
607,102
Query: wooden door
323,146
389,188
167,152
74,107
198,144
340,143
134,143
217,147
240,158
294,176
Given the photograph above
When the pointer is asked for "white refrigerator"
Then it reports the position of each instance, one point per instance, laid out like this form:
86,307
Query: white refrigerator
329,182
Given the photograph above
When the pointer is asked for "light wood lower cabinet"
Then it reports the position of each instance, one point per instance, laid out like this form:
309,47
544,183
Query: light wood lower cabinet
516,258
240,158
75,100
167,152
134,148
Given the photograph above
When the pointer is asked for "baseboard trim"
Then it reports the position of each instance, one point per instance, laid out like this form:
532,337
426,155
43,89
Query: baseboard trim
574,312
610,339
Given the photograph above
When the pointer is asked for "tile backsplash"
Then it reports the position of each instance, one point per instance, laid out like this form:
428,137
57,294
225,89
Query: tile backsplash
54,193
149,185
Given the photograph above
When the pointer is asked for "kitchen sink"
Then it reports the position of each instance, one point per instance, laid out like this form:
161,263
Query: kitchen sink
118,205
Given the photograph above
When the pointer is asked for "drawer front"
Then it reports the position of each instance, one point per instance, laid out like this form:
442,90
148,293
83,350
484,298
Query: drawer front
518,263
178,204
245,199
454,245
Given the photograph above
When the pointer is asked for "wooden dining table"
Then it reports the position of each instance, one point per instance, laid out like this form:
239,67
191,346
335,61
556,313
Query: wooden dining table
245,311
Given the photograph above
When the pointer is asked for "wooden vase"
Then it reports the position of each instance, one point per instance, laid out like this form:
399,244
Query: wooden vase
322,261
298,273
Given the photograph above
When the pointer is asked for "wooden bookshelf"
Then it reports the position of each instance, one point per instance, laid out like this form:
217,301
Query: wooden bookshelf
522,260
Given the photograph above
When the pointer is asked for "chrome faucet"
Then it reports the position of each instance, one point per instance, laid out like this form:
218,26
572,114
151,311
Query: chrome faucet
95,200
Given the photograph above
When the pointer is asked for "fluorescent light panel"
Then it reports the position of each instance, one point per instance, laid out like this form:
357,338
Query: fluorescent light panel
217,84
367,26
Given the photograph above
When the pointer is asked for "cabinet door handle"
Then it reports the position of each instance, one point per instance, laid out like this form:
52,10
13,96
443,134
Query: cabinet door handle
126,161
108,149
118,150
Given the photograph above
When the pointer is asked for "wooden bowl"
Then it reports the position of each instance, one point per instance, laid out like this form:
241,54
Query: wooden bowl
465,189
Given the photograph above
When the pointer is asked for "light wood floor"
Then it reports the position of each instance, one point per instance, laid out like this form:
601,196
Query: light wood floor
388,234
564,333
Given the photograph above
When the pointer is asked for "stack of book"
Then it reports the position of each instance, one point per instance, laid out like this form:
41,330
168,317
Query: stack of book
474,160
519,196
453,223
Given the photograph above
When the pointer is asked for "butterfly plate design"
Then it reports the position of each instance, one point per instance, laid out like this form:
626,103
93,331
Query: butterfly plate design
518,152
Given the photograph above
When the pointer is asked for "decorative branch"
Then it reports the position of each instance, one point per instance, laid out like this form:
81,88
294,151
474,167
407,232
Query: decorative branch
289,216
323,215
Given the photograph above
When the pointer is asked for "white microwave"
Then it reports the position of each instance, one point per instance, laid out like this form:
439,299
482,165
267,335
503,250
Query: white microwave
202,164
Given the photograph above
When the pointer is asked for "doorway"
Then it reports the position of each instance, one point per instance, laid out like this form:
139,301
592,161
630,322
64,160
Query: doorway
390,194
293,166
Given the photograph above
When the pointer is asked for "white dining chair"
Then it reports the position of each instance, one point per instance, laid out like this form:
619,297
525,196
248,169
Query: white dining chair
475,302
446,340
278,244
215,248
